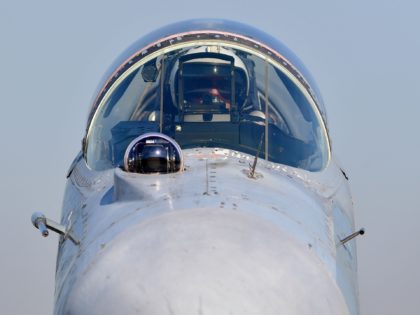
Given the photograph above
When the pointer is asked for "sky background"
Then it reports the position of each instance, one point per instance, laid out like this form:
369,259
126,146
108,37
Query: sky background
364,56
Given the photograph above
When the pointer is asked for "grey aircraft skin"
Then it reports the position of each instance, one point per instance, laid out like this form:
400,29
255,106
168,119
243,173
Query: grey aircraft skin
206,184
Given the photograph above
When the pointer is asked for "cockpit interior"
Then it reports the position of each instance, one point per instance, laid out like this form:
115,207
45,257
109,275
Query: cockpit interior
214,93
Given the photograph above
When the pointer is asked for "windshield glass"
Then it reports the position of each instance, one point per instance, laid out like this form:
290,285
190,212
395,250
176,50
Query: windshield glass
210,95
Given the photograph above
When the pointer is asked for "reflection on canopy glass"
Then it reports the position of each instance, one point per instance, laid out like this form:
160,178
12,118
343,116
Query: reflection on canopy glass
213,95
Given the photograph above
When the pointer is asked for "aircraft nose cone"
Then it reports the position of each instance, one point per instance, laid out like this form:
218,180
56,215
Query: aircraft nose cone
207,261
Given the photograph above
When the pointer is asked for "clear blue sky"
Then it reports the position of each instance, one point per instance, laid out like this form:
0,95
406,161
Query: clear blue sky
363,54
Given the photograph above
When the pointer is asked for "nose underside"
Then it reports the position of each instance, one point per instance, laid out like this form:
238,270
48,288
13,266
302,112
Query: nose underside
207,261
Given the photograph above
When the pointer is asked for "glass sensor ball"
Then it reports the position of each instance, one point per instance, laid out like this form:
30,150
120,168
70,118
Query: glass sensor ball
153,153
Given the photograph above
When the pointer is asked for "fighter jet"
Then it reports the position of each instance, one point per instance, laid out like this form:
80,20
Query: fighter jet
206,184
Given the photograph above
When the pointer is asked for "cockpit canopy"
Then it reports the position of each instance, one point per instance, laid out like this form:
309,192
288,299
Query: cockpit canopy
207,89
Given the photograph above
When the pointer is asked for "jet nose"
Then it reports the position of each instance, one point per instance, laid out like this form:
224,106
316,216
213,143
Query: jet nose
205,261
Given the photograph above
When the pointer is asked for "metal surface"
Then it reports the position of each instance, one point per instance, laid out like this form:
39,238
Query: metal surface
162,243
210,239
43,224
351,236
39,221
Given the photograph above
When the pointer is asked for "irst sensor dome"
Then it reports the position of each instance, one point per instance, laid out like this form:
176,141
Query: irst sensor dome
153,153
